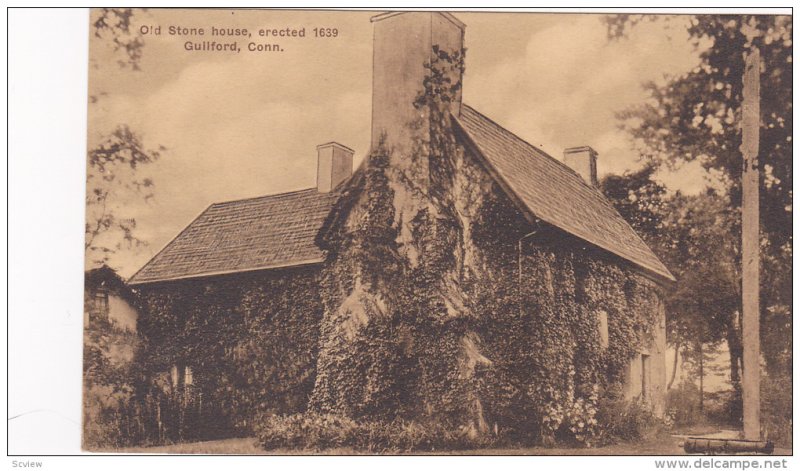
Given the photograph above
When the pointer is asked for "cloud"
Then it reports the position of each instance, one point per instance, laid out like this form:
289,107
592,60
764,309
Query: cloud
236,128
244,125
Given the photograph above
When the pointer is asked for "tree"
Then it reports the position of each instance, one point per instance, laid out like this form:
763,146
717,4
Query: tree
697,358
114,394
114,166
640,200
696,117
113,176
115,24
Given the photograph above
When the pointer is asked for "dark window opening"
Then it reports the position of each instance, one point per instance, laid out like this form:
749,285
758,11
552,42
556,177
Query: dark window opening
99,305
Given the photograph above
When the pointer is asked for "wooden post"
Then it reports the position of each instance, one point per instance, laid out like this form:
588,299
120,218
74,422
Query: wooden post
750,247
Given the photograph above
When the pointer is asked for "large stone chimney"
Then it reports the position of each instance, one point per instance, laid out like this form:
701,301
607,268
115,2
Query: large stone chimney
402,43
334,165
584,161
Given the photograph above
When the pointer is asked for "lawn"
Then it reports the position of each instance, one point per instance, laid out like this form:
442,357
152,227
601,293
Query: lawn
661,445
658,445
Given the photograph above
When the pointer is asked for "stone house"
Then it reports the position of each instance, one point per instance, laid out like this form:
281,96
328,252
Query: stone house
110,345
110,306
324,298
107,296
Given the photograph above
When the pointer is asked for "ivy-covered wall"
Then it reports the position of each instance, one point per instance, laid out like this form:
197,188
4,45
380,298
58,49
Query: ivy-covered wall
249,341
511,345
437,309
517,350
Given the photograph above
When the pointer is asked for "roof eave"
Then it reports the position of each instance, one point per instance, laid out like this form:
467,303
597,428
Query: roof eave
302,263
664,280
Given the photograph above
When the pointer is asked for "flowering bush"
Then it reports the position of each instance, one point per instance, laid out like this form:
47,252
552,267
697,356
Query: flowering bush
581,418
315,431
624,419
305,431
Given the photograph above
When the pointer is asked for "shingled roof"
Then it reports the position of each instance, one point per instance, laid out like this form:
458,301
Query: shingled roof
279,230
246,235
554,193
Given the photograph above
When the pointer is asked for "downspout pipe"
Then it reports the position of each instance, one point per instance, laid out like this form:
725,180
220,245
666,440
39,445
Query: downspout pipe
519,265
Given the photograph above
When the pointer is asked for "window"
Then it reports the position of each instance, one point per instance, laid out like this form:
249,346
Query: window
99,304
181,376
602,327
173,374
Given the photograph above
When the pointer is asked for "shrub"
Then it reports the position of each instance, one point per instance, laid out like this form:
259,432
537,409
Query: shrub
625,420
683,406
581,423
305,431
324,431
401,436
776,409
723,408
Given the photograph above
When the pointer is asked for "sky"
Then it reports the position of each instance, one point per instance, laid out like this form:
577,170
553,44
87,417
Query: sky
246,124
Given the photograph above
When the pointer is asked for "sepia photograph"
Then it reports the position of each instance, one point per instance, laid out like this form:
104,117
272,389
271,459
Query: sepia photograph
330,232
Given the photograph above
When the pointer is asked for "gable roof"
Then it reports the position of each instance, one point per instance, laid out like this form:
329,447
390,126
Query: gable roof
553,192
245,235
281,230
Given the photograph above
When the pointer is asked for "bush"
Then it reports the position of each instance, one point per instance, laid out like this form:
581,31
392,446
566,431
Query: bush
624,420
305,431
723,408
314,431
405,436
776,409
683,406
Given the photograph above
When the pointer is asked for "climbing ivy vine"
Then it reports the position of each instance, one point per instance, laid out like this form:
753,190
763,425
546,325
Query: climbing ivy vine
434,313
250,342
428,309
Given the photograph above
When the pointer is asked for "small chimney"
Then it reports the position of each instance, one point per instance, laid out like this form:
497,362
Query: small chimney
334,165
584,161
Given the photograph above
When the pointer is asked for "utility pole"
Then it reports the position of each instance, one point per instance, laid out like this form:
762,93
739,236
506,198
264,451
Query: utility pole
751,367
751,401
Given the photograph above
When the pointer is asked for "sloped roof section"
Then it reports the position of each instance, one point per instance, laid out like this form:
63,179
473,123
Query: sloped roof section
246,235
556,194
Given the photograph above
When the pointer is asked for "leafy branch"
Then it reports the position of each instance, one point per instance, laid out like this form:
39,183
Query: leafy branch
112,174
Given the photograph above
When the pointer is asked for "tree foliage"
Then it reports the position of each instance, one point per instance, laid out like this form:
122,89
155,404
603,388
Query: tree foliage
115,24
640,199
114,176
695,117
118,402
112,417
114,166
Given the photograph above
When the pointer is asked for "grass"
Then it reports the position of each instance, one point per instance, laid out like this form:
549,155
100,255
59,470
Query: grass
663,444
230,446
660,445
